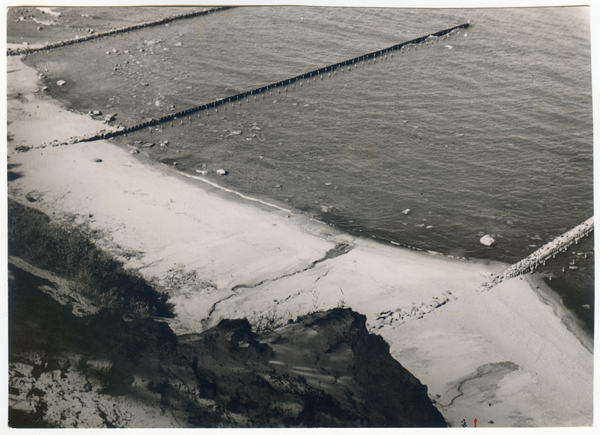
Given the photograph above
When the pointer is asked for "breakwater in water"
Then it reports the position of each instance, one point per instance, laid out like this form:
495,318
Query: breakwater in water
461,132
21,51
342,67
530,263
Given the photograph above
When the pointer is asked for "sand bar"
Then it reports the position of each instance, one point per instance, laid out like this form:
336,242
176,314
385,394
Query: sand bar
504,356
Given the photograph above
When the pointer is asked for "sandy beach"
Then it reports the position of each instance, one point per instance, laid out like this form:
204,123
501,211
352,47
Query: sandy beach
511,356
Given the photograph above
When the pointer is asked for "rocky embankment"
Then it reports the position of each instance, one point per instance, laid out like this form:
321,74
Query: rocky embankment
79,368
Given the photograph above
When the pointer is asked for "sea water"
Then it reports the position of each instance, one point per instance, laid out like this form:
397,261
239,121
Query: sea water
487,132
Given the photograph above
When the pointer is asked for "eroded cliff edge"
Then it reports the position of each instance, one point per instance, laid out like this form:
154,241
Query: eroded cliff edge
107,370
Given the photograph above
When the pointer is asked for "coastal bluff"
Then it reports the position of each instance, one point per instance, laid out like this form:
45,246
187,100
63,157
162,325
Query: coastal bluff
323,370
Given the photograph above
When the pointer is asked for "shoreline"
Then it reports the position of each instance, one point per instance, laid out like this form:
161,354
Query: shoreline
235,192
278,206
250,260
546,294
572,322
568,318
271,203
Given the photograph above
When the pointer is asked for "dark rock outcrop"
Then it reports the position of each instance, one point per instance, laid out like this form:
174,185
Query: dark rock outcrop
101,370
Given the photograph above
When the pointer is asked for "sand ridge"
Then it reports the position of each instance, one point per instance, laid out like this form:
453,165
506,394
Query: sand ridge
502,356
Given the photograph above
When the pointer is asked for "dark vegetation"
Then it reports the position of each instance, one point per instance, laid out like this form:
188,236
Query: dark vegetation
49,338
69,253
11,174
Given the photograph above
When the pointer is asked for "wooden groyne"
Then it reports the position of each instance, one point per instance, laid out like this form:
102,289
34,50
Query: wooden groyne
20,51
530,263
290,83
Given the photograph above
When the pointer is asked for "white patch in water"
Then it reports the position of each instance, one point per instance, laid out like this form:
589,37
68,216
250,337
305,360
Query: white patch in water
45,23
49,11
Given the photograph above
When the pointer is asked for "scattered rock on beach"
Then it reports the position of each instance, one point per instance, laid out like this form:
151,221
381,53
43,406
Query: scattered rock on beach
407,211
222,172
487,240
60,82
324,209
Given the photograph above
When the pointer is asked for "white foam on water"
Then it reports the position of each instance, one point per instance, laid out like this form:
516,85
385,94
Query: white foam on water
249,198
50,11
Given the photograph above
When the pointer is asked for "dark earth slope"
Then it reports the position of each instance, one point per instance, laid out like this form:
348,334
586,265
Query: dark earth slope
107,370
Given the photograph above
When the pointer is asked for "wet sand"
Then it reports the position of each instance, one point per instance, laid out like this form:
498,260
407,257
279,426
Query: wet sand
503,356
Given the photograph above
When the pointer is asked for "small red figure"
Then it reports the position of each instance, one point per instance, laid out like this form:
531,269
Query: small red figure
475,422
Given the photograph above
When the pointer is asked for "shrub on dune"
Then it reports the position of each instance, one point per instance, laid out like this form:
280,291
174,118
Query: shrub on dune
68,252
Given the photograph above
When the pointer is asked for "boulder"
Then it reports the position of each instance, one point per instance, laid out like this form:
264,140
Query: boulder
60,82
487,240
221,172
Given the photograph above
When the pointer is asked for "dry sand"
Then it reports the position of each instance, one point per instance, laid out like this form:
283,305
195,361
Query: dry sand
504,357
